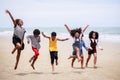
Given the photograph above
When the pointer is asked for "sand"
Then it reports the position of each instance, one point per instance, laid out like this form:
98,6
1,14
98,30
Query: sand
108,63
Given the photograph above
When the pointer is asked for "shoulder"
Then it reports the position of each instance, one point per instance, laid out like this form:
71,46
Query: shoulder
30,36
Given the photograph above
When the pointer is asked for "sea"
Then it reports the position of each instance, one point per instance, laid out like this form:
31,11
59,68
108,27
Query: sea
106,33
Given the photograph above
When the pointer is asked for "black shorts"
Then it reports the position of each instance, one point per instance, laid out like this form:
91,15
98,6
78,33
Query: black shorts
92,51
53,55
17,40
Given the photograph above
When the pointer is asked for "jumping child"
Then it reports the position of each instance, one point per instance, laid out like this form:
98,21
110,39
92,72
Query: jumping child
53,47
81,44
18,37
93,36
35,39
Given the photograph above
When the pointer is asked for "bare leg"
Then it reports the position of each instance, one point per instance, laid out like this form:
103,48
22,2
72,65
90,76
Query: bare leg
17,59
31,58
18,46
72,56
53,67
82,61
78,54
14,50
32,65
56,62
73,60
35,58
95,59
89,56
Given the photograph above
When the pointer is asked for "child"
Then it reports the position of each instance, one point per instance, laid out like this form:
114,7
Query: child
35,39
93,36
76,34
18,37
81,44
53,47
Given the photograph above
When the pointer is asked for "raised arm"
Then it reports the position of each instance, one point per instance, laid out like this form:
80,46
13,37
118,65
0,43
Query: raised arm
45,35
68,29
84,29
62,39
7,11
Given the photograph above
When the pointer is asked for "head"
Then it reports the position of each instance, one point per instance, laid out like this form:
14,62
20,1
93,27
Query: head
36,32
76,32
53,35
93,35
18,22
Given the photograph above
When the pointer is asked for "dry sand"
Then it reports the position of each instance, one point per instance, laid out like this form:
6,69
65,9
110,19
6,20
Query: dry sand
108,63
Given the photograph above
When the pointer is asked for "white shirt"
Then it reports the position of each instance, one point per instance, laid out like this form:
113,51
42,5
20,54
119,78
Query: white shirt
19,31
34,41
96,42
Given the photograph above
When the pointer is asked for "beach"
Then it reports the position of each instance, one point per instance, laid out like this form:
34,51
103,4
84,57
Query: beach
107,64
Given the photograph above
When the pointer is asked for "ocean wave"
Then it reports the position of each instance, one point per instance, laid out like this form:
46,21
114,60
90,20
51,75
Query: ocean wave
102,37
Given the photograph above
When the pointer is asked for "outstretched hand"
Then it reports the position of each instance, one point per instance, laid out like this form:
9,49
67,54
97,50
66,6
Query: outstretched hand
7,11
65,24
67,38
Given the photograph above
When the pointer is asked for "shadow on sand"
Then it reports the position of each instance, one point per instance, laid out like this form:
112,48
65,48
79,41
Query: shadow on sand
23,74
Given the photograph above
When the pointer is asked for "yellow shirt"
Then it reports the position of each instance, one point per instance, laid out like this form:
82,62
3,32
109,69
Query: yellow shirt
53,45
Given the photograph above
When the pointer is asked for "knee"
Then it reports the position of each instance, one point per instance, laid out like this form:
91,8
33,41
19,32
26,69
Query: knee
77,49
37,54
18,46
82,57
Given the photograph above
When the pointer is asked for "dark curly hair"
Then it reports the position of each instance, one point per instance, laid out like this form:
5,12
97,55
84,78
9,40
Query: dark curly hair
73,31
36,32
91,33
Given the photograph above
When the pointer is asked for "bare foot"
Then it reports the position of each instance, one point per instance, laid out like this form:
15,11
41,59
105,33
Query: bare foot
53,70
15,67
33,66
12,52
82,67
69,57
30,60
95,67
86,65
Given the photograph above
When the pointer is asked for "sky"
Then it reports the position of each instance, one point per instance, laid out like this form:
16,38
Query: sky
56,13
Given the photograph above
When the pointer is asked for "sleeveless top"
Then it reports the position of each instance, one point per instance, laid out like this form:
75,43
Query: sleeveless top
53,45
